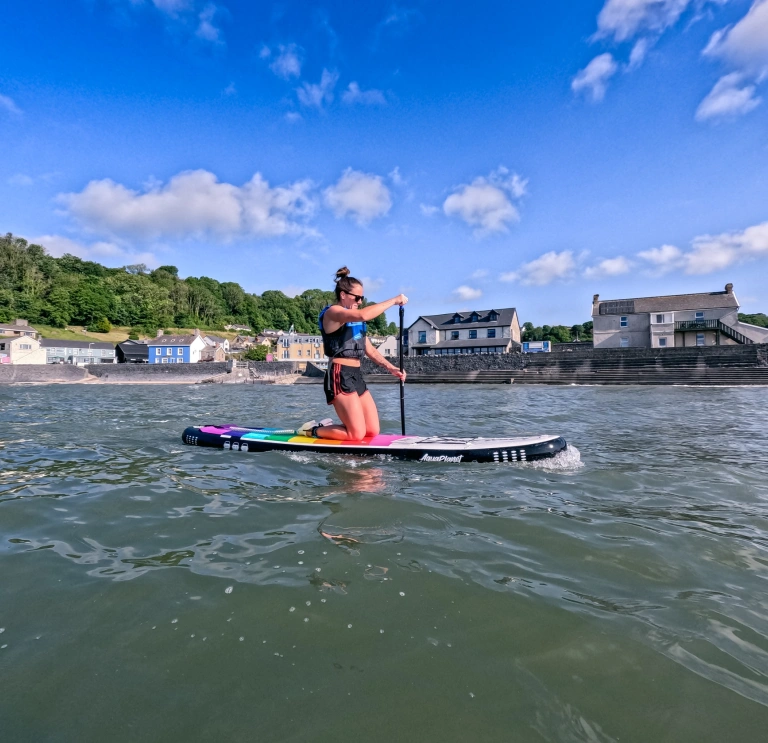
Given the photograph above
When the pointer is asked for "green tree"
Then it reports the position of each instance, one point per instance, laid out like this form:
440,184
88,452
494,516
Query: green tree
256,353
100,326
760,319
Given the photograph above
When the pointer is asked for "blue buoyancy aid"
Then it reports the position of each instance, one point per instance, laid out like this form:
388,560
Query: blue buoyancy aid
348,342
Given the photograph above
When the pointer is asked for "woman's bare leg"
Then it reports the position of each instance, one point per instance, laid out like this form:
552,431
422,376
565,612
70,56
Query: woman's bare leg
371,414
350,410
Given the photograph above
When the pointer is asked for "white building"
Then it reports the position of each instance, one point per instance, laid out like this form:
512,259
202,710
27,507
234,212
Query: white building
21,349
390,347
215,341
478,331
679,320
78,352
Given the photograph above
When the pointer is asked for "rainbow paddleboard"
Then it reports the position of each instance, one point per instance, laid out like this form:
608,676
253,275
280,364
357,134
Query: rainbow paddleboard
420,448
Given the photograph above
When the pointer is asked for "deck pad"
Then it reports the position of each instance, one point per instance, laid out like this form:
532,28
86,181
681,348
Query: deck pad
449,449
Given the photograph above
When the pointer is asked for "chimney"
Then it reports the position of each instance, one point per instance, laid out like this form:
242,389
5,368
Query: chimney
197,331
595,297
21,322
729,288
159,333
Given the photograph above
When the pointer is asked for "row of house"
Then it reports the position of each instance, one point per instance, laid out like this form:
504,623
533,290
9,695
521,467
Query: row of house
699,319
679,320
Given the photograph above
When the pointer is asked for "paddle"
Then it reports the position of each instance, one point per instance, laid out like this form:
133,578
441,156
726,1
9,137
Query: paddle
402,384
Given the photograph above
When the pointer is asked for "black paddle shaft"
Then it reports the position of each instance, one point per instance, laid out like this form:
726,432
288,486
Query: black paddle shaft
402,384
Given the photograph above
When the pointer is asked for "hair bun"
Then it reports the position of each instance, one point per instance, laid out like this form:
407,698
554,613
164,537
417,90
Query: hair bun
342,273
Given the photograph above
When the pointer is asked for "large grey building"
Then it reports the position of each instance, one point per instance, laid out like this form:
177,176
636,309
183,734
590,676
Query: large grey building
478,331
706,319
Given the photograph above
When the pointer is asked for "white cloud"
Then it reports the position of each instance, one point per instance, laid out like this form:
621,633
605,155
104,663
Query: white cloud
171,7
371,284
316,95
372,97
287,64
710,253
395,176
231,89
9,105
362,196
609,267
592,80
292,117
544,270
193,203
429,211
744,44
467,293
623,19
728,98
637,55
664,259
206,29
481,273
107,253
486,202
21,179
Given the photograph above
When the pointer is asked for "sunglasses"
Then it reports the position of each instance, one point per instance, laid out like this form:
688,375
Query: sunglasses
358,297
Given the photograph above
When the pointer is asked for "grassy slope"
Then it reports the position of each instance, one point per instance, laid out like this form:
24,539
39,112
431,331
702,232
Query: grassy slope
117,335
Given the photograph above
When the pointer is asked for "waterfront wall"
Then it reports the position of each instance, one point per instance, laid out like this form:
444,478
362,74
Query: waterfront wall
41,373
463,363
157,372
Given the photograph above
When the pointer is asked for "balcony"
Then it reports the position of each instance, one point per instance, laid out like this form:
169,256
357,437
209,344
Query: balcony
682,326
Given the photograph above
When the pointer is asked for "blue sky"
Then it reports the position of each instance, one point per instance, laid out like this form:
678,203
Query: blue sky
472,155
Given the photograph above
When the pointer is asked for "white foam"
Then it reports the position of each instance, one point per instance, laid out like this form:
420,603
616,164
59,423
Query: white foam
568,459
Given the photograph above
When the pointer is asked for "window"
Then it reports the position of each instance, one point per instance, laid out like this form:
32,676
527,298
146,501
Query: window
454,335
491,332
299,352
662,342
25,347
158,351
457,317
164,361
699,339
659,318
624,321
624,343
493,317
472,334
180,351
2,346
422,336
474,317
699,315
169,352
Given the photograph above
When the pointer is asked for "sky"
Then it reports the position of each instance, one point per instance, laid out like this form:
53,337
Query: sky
472,155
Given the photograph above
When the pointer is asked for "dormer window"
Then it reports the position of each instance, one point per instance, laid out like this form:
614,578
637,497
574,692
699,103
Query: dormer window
493,316
457,317
475,317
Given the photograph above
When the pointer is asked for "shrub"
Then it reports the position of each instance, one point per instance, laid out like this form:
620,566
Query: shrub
100,326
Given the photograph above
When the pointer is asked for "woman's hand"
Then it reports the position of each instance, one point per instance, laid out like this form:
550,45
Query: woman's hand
395,372
401,299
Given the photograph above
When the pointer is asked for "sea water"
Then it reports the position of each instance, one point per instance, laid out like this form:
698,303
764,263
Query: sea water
151,591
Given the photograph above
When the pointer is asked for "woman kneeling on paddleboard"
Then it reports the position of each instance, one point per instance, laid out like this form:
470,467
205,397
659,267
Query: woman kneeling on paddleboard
343,327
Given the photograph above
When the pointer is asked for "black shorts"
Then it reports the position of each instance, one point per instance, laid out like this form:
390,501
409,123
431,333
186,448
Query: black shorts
343,380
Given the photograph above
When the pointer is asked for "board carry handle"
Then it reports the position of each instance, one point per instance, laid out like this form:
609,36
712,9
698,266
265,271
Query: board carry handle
402,384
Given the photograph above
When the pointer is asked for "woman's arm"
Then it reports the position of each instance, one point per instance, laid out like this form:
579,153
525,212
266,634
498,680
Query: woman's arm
339,314
377,358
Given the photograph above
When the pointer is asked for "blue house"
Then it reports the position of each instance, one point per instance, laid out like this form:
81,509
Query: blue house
175,349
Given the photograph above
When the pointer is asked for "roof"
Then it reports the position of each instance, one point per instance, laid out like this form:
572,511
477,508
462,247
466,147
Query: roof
466,343
173,340
133,342
445,321
216,338
14,326
669,303
56,343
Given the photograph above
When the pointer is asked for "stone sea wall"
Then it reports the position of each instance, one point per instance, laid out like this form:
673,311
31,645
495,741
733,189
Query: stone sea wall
41,373
156,372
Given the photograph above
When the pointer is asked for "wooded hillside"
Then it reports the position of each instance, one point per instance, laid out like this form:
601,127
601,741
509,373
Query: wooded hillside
70,291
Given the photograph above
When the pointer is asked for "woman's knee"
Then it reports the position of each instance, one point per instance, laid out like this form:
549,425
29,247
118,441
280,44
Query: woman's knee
356,431
372,429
